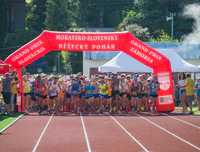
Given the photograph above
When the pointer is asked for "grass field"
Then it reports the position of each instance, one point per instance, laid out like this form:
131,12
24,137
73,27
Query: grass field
6,120
195,110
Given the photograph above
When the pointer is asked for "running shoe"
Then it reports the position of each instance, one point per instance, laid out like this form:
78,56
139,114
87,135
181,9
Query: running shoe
4,114
133,109
114,108
78,110
190,113
119,112
153,112
111,110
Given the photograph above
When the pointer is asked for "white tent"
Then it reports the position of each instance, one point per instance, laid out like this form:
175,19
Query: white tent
124,63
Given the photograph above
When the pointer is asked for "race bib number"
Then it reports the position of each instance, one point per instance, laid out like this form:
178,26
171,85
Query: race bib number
154,89
53,90
88,92
75,92
134,93
104,91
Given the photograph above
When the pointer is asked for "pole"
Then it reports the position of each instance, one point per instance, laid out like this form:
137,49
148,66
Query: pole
172,26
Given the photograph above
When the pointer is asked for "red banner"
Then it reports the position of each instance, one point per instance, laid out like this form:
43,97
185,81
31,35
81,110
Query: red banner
124,41
5,68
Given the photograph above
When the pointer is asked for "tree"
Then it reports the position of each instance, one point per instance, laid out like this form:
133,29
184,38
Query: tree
104,13
19,38
58,16
35,15
164,37
154,12
2,23
139,32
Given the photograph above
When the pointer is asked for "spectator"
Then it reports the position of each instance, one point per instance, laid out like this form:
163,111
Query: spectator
189,85
14,90
182,91
197,89
7,93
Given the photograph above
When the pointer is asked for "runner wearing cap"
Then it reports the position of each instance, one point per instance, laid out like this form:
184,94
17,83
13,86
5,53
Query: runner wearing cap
135,87
153,92
122,87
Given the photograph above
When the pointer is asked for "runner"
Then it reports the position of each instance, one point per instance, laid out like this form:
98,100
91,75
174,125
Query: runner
75,91
108,82
95,88
128,93
135,87
61,95
54,89
146,91
39,87
115,92
153,92
141,94
122,87
26,85
68,94
103,94
87,89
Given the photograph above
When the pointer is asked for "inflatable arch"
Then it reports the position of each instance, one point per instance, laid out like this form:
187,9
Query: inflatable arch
115,41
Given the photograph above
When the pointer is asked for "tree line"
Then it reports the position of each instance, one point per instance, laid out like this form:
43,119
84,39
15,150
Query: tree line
146,19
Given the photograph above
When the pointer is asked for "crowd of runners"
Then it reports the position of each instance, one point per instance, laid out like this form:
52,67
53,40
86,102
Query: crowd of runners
102,93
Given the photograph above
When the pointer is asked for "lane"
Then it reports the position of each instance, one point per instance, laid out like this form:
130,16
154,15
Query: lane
23,135
106,135
195,120
153,138
64,133
180,129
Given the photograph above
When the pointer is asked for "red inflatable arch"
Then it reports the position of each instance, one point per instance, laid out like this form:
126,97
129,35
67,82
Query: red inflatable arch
124,41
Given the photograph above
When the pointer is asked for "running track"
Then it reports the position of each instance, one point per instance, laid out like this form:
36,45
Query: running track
103,133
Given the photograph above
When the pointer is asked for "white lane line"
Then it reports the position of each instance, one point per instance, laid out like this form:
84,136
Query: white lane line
38,142
1,131
129,134
169,132
181,120
85,133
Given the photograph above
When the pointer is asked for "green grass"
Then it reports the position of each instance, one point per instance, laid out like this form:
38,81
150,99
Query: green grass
195,110
6,120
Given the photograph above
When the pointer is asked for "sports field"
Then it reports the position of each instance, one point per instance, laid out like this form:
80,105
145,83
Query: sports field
99,133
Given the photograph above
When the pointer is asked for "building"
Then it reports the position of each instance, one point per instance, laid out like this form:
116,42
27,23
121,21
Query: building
189,52
14,15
